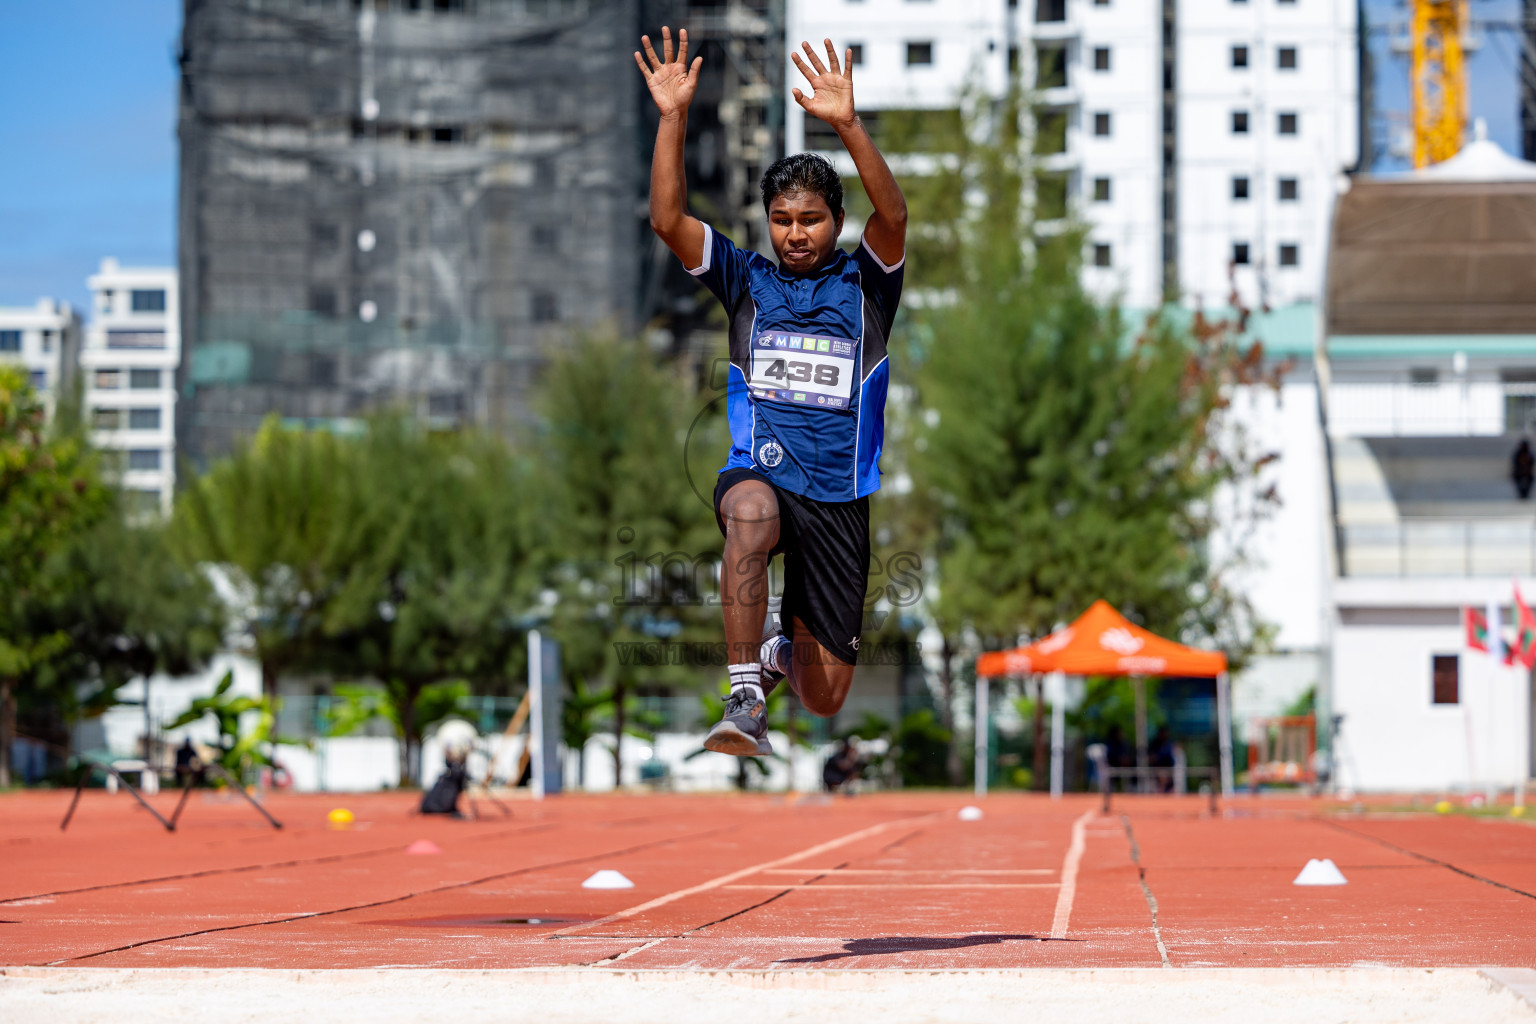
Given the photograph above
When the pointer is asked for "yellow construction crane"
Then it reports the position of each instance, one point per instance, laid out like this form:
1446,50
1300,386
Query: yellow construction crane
1439,77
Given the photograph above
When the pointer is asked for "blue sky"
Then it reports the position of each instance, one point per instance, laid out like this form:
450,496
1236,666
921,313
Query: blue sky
87,141
88,131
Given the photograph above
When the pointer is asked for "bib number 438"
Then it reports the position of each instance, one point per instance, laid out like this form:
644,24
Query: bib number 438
799,371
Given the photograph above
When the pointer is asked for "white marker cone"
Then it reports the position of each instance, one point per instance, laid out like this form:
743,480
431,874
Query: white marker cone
607,879
970,813
1321,872
423,846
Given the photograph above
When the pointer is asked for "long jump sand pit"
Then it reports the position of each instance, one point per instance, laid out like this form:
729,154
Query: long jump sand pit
596,996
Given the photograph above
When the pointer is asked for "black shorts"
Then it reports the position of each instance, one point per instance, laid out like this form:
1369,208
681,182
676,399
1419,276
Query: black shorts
825,545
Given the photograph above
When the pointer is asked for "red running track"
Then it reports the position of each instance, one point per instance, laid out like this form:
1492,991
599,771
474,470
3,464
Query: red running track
884,881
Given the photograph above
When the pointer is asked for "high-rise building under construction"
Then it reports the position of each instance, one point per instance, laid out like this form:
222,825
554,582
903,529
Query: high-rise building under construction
409,201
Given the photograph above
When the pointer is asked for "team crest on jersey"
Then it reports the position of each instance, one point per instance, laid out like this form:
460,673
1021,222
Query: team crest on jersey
770,454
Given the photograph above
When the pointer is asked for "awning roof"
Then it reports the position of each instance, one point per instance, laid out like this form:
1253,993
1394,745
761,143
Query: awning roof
1102,642
1450,249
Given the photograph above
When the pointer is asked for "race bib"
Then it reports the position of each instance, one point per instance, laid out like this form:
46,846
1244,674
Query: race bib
803,370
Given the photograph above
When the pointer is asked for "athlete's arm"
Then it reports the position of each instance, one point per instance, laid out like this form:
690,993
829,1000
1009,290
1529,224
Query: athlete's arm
672,84
832,85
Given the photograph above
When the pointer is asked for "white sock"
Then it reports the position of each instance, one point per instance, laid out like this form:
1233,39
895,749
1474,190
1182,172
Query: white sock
777,653
746,676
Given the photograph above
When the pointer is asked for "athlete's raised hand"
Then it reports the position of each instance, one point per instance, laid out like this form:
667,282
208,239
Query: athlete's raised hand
671,82
832,84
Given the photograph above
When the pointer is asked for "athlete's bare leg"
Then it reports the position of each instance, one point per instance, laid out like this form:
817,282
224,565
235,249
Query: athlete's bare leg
823,678
751,513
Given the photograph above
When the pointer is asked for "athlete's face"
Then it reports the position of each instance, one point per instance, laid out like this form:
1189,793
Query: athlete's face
803,231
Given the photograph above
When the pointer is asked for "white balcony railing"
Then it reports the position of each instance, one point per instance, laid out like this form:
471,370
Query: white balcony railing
1424,546
1449,409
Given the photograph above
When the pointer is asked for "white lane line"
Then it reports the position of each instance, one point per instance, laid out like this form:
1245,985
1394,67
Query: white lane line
1069,865
903,885
715,883
911,871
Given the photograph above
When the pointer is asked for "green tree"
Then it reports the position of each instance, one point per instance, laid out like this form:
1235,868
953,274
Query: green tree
50,492
281,520
633,543
128,609
442,593
1061,453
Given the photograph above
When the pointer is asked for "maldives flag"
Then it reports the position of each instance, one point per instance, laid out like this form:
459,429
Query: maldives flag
1524,648
1476,623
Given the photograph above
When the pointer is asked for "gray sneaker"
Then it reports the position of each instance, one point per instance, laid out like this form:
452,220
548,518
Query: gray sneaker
744,729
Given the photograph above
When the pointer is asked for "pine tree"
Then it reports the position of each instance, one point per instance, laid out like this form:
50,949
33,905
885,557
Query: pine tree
50,492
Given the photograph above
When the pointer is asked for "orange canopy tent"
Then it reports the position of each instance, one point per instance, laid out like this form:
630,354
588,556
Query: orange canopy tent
1102,642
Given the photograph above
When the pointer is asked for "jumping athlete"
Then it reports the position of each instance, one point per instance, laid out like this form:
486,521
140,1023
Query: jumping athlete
806,394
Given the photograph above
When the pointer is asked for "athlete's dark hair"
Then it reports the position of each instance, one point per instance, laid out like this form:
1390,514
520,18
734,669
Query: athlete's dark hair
803,174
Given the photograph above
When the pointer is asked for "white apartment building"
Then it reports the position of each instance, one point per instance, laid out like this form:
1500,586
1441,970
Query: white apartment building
129,361
1211,157
1268,120
44,339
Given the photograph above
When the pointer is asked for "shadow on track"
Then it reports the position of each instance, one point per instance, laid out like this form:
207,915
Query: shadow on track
916,944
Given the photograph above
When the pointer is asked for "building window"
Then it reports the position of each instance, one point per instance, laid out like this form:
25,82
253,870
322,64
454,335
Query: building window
143,419
106,300
545,309
143,379
1050,67
1290,254
1101,58
135,339
10,341
109,380
919,53
322,301
143,458
1285,58
1423,376
1239,122
1101,190
1101,256
148,300
1290,189
857,50
107,419
1288,123
47,337
39,379
1240,253
1240,188
1446,673
1013,60
1101,123
1050,10
1239,56
142,502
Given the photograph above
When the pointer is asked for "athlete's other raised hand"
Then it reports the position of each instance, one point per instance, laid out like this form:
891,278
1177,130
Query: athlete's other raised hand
831,83
885,232
671,82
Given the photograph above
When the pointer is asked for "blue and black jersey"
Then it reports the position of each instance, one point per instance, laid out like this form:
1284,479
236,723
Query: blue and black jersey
805,397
